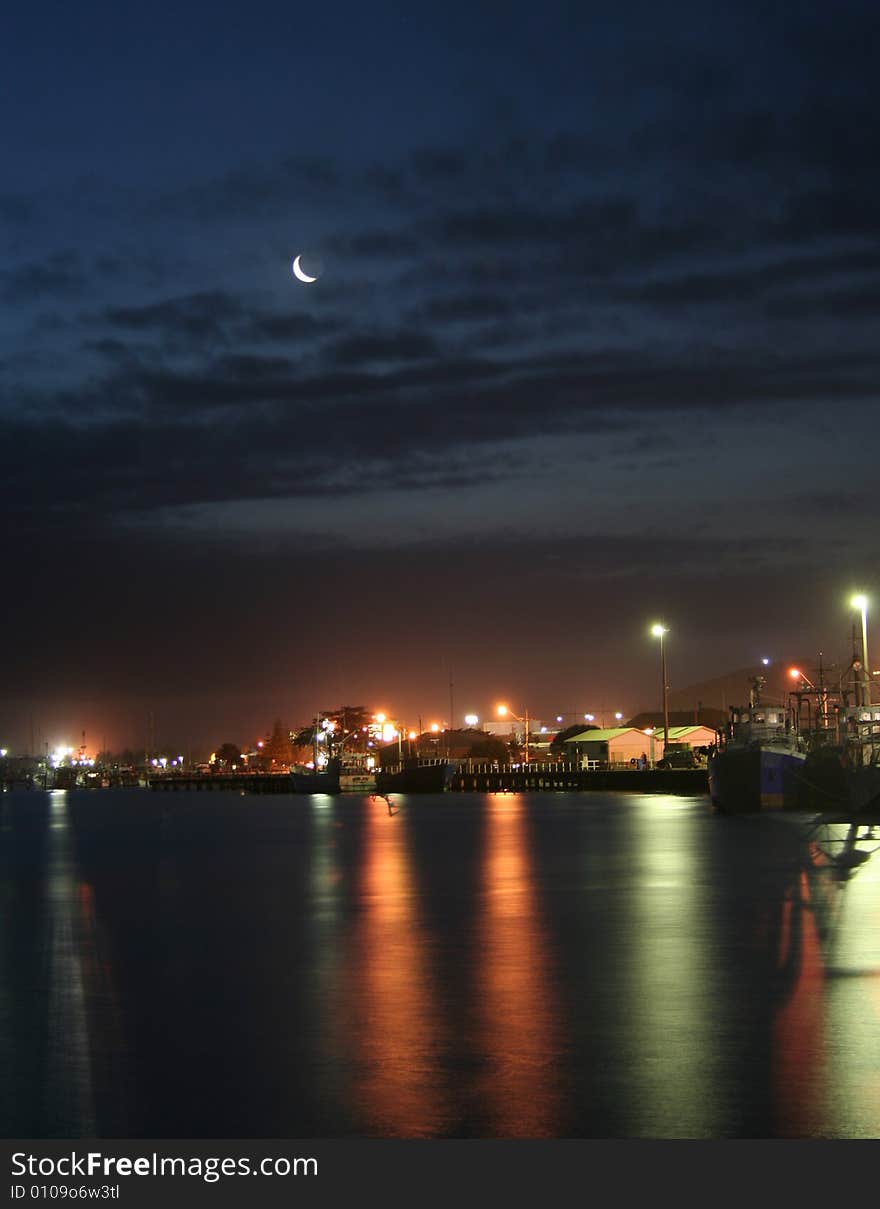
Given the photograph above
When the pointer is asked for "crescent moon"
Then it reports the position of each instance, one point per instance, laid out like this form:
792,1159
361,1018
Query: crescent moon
297,272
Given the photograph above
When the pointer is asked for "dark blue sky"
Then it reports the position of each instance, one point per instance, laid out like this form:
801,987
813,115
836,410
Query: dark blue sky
594,342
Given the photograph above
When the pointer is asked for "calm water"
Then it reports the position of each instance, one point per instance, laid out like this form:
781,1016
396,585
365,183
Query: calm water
559,965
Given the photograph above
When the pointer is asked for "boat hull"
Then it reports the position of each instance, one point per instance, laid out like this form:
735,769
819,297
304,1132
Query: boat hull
755,779
431,777
357,782
307,780
834,783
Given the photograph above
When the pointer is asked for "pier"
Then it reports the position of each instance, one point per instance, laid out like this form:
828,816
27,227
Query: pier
546,778
473,777
232,783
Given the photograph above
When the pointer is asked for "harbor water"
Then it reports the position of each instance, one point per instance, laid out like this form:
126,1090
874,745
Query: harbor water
559,965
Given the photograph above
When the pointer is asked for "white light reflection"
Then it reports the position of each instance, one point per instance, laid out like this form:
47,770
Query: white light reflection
669,965
69,1090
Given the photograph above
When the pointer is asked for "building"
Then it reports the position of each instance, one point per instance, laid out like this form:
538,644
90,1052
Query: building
615,747
691,736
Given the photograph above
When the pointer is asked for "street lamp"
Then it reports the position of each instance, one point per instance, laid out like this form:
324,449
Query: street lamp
659,631
503,711
861,603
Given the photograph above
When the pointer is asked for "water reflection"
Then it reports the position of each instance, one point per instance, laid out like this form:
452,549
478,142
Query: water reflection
470,966
827,1045
799,1054
399,1086
668,996
519,1032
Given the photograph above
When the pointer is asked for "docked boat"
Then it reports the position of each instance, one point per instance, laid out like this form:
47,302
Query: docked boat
415,775
357,780
304,779
843,772
759,758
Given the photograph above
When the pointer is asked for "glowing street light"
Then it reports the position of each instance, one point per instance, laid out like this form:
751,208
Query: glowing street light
860,602
471,719
503,711
659,631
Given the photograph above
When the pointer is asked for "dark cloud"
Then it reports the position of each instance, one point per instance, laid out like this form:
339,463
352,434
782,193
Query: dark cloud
195,317
856,302
840,503
58,276
252,192
736,282
403,345
266,327
830,213
379,244
464,308
16,209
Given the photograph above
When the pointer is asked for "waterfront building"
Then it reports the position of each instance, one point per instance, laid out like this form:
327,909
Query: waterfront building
615,747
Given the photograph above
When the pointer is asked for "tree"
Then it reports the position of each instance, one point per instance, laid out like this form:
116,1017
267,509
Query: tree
490,748
227,755
278,748
558,743
350,726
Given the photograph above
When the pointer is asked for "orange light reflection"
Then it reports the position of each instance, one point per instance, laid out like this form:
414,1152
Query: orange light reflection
518,1030
401,1035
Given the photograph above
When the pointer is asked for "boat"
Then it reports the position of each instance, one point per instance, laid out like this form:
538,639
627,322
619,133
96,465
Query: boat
843,771
415,775
759,758
305,779
356,780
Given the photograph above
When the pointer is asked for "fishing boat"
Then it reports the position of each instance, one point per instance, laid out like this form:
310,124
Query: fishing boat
758,759
355,779
843,771
320,779
415,775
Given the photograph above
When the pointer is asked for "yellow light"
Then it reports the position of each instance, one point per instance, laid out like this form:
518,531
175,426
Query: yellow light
794,673
380,718
502,710
859,602
412,734
659,630
435,727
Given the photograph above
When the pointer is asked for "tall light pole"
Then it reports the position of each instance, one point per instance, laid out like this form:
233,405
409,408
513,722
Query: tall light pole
503,711
861,603
659,631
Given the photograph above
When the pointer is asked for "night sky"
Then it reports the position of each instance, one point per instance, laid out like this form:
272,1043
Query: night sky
593,344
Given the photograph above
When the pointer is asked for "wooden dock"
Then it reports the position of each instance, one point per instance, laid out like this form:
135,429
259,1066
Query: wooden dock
547,778
278,782
475,777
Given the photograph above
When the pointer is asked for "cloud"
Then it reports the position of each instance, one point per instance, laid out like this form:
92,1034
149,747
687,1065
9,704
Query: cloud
17,209
406,344
57,276
195,317
254,191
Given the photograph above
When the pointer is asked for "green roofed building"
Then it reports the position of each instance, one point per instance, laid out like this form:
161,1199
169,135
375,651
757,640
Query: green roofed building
615,747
